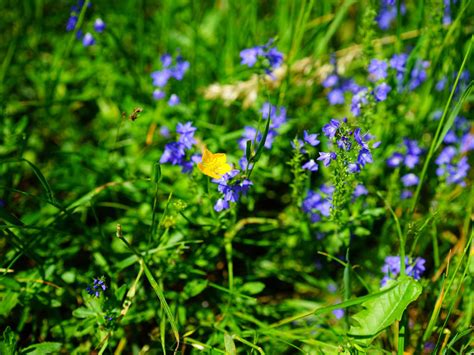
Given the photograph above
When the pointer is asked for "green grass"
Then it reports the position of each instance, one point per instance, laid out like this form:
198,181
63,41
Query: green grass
83,195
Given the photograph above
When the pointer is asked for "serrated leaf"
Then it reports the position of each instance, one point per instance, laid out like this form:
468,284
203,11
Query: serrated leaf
381,311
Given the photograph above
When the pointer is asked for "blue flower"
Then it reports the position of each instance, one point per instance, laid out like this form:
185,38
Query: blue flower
381,91
173,100
330,129
413,267
338,313
395,160
364,157
327,157
99,25
336,97
267,52
358,100
88,40
97,287
311,139
418,74
231,189
377,69
360,190
160,77
158,94
311,165
410,180
71,23
250,56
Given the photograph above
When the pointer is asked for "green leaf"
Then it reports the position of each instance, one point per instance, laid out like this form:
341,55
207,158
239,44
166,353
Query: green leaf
8,342
252,288
194,288
42,348
156,177
229,344
83,312
452,116
9,301
381,311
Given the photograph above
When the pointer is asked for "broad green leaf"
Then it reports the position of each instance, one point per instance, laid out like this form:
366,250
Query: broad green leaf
8,302
194,287
381,311
42,348
83,312
252,288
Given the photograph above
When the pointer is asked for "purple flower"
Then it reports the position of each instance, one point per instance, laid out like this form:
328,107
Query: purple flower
338,313
161,77
166,60
353,168
97,287
311,139
446,155
413,267
88,40
395,160
441,84
71,23
99,25
364,157
336,97
268,52
330,81
180,69
173,100
410,180
377,69
158,94
359,191
231,190
330,129
359,139
381,91
398,62
359,99
411,160
327,157
249,56
165,131
311,165
418,74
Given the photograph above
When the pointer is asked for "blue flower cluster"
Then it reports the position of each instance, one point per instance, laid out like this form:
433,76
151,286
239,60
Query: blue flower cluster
391,268
452,162
346,140
317,204
379,71
277,116
97,287
175,152
338,87
162,77
388,13
87,38
409,158
231,186
266,56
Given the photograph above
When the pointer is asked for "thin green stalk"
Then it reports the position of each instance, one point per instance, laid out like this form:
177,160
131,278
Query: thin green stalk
57,65
440,127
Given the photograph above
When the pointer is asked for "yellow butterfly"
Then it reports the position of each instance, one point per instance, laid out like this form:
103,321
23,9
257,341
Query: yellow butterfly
214,165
